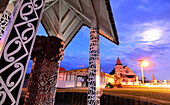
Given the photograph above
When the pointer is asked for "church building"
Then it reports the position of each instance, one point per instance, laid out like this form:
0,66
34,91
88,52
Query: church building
124,72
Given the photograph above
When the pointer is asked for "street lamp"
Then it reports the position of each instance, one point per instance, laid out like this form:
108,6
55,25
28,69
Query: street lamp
144,63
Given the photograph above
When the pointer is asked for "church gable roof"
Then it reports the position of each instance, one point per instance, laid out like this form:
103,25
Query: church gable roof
125,66
112,72
130,71
118,62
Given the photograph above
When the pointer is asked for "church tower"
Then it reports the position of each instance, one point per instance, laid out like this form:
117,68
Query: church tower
126,74
119,68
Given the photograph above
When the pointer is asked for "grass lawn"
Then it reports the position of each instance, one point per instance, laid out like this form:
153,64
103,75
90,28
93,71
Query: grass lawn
158,95
151,94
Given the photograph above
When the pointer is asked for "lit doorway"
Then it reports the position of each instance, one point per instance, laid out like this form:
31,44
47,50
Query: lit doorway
81,81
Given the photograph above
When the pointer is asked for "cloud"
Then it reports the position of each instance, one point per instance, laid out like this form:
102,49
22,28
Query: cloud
144,8
143,31
139,53
105,41
75,59
145,1
142,34
85,31
151,34
148,40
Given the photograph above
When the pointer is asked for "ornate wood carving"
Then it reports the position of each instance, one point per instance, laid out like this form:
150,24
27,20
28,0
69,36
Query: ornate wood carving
16,44
42,84
4,21
94,69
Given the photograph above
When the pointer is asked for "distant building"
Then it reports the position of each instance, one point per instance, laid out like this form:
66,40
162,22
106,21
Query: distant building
79,78
124,72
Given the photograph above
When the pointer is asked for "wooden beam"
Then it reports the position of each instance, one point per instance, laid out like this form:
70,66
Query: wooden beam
94,20
51,5
77,11
71,9
79,4
60,16
109,22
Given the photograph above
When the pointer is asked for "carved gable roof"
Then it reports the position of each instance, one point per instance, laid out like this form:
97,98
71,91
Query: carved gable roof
64,18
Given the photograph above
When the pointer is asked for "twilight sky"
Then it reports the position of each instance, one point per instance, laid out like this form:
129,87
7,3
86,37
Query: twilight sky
143,28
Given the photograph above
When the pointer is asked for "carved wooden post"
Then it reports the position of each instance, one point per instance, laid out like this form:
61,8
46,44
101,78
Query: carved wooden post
16,46
4,21
42,84
5,18
94,69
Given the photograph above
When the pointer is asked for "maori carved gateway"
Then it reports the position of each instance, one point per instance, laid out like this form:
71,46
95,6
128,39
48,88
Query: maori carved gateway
42,84
18,39
16,45
70,16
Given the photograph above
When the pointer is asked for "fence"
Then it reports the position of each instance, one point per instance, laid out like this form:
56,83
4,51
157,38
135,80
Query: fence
77,98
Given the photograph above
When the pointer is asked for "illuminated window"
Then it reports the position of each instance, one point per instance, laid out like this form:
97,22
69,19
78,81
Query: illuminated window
72,77
68,77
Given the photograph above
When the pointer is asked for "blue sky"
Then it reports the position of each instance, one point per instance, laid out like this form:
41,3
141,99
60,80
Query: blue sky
143,28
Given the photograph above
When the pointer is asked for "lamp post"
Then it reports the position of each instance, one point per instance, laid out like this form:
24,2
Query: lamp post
142,73
144,63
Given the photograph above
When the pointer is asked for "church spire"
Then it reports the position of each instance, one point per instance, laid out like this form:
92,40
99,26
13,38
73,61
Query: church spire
118,62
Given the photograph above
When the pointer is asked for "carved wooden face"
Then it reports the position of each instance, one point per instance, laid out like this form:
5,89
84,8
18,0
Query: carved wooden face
54,48
51,48
38,48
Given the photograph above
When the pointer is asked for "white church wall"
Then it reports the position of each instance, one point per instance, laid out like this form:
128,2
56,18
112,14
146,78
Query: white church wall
65,84
68,77
70,84
61,84
102,84
72,77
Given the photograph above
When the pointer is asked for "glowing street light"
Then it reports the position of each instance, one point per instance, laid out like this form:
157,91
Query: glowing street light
144,63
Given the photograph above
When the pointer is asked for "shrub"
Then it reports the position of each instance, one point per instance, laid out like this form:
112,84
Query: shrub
109,85
118,85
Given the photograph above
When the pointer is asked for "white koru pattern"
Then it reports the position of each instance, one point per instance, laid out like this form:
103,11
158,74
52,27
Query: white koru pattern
4,21
92,98
17,48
